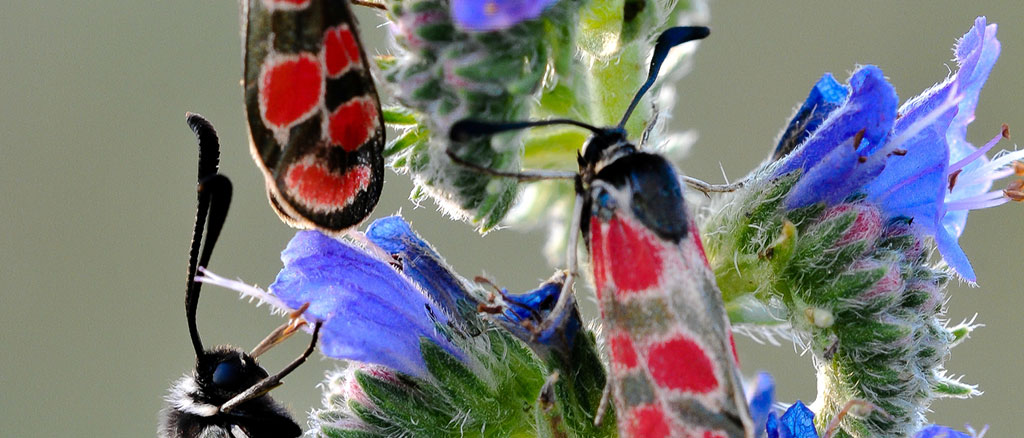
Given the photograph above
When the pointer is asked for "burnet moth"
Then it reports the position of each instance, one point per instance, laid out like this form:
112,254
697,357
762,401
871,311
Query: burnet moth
316,128
226,393
673,372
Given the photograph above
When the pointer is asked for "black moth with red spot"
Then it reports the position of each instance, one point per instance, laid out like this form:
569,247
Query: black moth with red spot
672,368
315,121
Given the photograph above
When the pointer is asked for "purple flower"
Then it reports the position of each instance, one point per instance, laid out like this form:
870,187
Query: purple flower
913,162
488,15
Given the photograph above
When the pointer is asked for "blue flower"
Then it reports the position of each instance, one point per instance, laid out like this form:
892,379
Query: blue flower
761,398
371,311
528,316
913,162
520,314
936,431
421,263
796,422
379,309
488,15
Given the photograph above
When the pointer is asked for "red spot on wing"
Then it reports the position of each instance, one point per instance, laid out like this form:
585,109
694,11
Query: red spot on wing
647,421
623,352
681,364
713,434
285,5
353,123
290,89
697,241
732,343
341,51
637,264
597,259
319,188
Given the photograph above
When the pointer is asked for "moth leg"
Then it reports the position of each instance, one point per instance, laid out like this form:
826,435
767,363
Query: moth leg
546,399
270,382
706,188
570,265
602,406
370,4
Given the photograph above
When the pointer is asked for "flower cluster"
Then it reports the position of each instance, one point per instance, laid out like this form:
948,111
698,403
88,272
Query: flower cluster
424,360
829,240
831,236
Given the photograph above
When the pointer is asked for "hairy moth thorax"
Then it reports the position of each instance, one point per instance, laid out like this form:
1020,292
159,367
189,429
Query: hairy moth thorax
220,375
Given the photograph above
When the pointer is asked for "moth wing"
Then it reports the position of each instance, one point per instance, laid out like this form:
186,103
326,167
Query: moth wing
316,127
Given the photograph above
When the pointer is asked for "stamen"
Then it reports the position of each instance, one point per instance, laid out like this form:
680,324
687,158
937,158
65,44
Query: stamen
244,289
1018,168
952,179
972,204
978,153
1015,190
857,138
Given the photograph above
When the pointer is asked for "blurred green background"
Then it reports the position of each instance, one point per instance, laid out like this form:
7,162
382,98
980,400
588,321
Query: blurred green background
98,172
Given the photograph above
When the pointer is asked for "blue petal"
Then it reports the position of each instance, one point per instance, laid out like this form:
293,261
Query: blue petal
422,264
833,170
487,15
798,422
524,313
826,95
936,431
916,185
772,425
954,255
976,54
871,107
913,185
371,313
761,398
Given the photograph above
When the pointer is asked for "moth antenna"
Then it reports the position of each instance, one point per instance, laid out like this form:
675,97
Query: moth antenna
468,129
210,215
524,175
666,41
370,4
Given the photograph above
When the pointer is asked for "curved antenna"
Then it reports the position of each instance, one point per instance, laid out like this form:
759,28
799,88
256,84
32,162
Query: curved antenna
209,214
668,39
468,129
